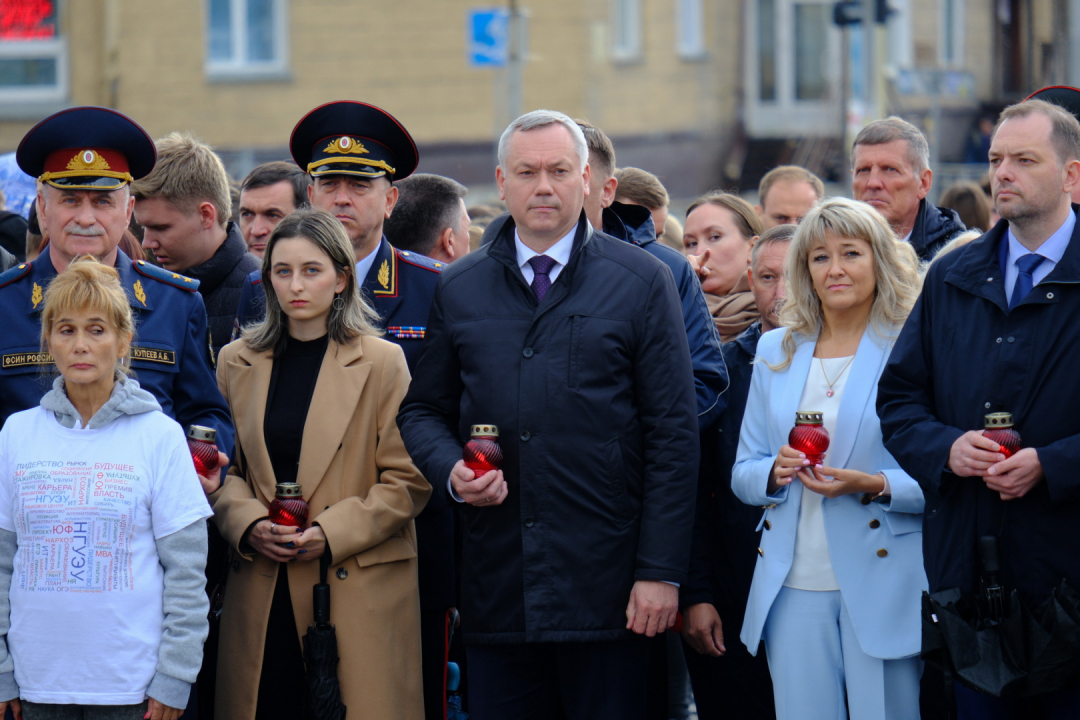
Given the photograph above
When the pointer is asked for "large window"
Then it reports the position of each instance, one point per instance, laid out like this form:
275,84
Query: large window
951,33
626,23
792,68
33,53
246,38
689,29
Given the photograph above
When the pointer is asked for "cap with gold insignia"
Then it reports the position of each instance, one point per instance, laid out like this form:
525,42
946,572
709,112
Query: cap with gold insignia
1064,96
353,138
87,148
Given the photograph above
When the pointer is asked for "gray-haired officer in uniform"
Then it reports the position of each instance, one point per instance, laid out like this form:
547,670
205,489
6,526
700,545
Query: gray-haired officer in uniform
84,159
354,152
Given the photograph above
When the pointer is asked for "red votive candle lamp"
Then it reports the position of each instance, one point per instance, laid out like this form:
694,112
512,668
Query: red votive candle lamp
289,507
482,453
809,436
999,428
202,444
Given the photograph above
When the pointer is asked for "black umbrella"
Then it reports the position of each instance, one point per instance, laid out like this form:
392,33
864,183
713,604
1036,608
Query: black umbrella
322,691
998,645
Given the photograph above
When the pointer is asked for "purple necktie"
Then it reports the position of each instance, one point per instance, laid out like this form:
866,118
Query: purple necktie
541,265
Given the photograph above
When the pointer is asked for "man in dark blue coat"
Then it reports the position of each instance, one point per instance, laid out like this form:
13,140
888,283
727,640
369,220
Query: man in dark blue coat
728,681
995,331
890,170
84,204
571,342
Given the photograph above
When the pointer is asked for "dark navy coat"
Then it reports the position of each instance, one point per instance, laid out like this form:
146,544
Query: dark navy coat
399,285
634,224
963,354
934,228
170,353
593,394
726,531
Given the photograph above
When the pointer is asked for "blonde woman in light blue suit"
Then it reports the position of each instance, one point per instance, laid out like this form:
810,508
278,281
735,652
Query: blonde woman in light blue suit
839,576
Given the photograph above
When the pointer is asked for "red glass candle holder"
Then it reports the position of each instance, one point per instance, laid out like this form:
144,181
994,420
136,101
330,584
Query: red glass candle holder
809,436
202,442
999,428
482,453
289,507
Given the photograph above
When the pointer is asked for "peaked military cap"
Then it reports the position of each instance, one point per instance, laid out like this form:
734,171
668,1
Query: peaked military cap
353,138
87,148
1064,96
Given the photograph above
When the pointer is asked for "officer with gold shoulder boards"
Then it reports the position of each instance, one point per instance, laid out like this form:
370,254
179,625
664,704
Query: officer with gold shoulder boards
354,152
84,159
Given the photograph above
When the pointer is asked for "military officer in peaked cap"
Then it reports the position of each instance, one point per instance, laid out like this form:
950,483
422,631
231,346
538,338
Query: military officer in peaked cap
354,152
84,158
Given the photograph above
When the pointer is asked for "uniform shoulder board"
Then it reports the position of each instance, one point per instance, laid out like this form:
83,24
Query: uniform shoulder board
420,261
162,275
14,273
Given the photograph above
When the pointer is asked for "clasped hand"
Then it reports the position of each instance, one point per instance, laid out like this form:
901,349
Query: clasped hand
487,490
975,455
283,543
830,482
211,483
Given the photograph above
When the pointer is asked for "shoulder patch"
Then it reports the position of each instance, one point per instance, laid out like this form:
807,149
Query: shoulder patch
15,272
162,275
255,277
420,261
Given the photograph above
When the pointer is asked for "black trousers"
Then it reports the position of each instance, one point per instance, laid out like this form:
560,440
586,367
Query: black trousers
433,639
735,685
539,681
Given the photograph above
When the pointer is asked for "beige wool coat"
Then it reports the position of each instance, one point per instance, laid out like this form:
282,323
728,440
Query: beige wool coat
364,492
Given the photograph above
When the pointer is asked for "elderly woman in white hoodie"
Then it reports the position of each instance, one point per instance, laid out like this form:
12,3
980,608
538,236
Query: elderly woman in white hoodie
102,528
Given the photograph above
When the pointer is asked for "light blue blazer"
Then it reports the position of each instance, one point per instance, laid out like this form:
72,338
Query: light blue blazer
875,548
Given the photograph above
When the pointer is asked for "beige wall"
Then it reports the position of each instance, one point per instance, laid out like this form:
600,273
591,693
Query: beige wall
407,56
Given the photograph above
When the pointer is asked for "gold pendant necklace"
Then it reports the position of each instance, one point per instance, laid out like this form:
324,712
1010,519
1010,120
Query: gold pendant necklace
830,392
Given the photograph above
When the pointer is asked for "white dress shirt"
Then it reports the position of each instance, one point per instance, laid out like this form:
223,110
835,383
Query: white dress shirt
1052,250
364,266
559,252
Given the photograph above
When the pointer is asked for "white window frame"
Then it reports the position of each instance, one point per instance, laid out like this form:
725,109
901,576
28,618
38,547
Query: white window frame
785,116
626,15
955,59
690,29
55,48
238,68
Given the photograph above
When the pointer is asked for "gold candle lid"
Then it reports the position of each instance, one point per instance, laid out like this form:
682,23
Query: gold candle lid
998,420
808,417
485,430
204,434
288,490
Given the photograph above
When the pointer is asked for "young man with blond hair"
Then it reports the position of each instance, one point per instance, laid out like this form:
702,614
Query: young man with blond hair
184,206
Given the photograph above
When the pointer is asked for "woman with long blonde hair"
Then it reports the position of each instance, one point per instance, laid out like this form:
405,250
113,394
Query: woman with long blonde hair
839,576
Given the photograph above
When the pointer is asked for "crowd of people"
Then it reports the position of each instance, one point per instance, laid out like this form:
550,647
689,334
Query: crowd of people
744,450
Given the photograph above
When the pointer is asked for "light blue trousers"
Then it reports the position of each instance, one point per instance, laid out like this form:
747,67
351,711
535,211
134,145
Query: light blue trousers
819,672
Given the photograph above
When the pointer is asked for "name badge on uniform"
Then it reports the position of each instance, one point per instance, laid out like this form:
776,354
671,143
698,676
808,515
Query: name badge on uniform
15,360
149,354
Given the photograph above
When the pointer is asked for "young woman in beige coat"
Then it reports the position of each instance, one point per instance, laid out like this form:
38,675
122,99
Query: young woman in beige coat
314,394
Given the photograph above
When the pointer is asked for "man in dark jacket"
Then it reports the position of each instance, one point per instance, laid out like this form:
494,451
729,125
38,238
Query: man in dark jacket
890,170
728,681
995,331
570,342
184,206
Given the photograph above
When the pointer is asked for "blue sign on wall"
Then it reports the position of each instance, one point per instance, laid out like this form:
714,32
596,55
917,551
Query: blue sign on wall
487,30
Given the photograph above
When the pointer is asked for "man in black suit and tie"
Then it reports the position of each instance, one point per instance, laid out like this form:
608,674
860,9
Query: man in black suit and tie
572,343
